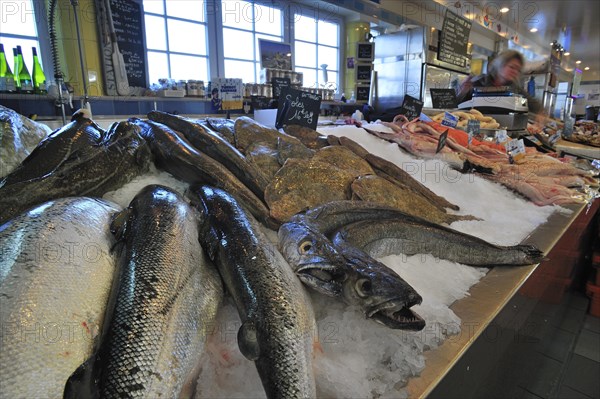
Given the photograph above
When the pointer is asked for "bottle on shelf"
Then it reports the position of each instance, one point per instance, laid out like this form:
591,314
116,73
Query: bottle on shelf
39,78
7,79
25,81
16,69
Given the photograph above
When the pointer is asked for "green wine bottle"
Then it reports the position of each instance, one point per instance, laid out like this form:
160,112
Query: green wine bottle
7,79
39,79
16,69
24,76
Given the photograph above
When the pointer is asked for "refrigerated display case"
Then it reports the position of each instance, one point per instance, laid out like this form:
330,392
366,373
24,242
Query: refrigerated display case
438,78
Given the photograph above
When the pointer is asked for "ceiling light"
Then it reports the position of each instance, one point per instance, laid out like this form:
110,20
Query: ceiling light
587,68
504,10
567,53
578,62
533,30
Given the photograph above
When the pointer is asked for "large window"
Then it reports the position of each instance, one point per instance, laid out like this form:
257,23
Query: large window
176,39
316,50
18,28
244,23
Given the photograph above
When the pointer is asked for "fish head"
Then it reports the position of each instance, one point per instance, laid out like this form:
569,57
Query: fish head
312,257
379,291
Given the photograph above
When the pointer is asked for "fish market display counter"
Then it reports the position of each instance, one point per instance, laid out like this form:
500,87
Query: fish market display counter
577,149
495,314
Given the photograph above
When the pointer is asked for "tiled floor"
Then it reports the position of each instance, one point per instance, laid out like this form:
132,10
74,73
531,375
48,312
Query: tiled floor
562,359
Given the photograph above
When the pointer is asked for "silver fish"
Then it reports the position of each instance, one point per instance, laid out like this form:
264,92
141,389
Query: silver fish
165,299
56,271
75,161
349,274
408,237
277,317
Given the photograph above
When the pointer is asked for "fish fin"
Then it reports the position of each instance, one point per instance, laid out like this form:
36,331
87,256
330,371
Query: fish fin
118,224
83,383
247,341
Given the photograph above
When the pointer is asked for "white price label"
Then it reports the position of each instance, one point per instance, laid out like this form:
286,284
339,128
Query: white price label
501,136
515,149
449,119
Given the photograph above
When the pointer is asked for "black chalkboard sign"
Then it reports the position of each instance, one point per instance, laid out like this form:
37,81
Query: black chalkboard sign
278,84
362,93
443,98
128,21
411,107
454,39
365,52
363,73
442,141
304,108
259,102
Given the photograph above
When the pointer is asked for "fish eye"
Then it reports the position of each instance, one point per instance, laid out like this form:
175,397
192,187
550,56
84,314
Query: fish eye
305,246
363,287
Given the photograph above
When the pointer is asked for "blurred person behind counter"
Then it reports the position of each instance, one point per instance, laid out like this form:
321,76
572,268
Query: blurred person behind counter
504,70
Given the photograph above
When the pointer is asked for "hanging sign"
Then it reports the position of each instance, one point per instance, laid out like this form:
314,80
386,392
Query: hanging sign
454,39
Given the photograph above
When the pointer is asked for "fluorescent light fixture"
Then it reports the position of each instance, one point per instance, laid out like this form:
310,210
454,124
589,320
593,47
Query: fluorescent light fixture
504,10
587,68
533,30
578,62
567,53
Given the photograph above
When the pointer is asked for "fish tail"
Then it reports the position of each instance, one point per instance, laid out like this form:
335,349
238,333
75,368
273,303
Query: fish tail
83,383
532,253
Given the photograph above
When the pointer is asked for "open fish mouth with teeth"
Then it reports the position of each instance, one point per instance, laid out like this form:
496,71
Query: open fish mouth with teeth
397,314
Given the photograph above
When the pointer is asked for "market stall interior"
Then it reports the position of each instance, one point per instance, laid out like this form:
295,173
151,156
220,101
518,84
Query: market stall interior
364,239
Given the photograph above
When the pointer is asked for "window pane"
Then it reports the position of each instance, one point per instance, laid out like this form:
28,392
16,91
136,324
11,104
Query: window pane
158,67
155,6
236,13
329,56
188,67
186,37
240,70
156,37
305,54
18,17
310,77
238,44
305,29
266,37
187,9
268,20
328,33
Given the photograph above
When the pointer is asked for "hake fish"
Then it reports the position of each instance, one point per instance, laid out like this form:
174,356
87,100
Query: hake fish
56,271
277,318
348,274
216,147
77,160
176,155
165,299
408,237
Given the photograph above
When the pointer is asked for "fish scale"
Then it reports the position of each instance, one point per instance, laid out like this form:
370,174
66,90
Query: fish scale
277,317
48,322
168,294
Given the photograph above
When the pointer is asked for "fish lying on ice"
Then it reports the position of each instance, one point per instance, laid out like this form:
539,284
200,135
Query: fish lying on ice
177,156
56,272
346,273
216,147
164,301
278,323
18,137
408,237
75,161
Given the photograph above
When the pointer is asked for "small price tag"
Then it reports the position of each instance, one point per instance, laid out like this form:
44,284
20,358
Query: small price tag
473,129
515,150
501,137
554,138
568,129
442,141
449,119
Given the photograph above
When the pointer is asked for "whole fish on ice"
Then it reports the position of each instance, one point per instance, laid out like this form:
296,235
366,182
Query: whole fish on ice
165,299
79,159
277,318
56,272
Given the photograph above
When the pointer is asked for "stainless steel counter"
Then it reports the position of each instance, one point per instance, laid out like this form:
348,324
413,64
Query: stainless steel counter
487,298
